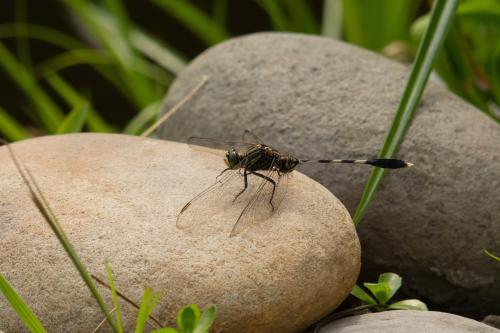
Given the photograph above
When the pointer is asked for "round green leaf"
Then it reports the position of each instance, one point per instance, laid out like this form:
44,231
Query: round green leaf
408,304
393,280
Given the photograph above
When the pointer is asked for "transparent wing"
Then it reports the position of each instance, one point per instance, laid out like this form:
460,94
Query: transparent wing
248,136
263,201
215,199
217,146
210,201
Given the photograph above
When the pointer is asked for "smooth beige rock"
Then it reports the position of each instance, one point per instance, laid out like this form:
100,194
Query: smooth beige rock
117,198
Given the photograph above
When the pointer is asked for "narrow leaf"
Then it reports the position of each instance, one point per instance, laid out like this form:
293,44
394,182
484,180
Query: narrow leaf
302,16
441,17
49,114
332,19
143,118
362,295
279,21
10,128
157,51
76,101
492,255
148,302
75,120
46,211
23,311
114,295
40,32
194,19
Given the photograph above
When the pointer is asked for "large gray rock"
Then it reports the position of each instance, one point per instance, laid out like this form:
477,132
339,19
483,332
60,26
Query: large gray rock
320,98
407,321
117,198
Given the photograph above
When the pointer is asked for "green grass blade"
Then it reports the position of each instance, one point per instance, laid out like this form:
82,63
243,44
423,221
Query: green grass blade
76,54
196,20
72,58
23,311
41,33
118,11
332,19
302,16
141,121
480,10
374,24
161,54
43,206
104,27
23,47
75,120
491,255
116,304
279,20
49,114
148,302
10,128
441,18
94,121
220,12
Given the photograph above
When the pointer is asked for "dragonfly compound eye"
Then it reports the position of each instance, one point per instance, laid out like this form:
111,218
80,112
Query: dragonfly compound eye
232,159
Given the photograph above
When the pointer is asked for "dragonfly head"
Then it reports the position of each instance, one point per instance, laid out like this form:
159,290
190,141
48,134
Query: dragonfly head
232,159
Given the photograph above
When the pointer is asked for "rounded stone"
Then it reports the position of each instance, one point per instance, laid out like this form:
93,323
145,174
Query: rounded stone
117,198
324,99
407,321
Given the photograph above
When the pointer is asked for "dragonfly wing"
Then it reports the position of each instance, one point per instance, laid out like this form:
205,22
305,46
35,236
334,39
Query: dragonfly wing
263,201
250,137
216,146
211,201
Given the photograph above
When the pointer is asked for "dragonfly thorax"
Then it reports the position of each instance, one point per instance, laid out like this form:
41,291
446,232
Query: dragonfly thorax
287,163
260,158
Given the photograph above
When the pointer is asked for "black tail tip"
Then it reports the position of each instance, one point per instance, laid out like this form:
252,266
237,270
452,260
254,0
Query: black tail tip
389,163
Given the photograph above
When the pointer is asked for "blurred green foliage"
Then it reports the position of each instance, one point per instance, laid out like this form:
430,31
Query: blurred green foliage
140,67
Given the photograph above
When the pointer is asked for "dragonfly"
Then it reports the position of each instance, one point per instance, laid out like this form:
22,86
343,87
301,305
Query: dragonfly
252,160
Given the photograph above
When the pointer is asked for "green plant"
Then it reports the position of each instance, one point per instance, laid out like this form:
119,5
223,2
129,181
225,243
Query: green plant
191,320
439,24
383,291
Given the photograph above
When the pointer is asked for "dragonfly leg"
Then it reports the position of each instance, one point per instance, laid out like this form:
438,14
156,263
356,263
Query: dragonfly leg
272,182
220,174
245,179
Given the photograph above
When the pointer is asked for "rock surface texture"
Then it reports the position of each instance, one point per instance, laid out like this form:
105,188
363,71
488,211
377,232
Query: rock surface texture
117,198
320,98
407,321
